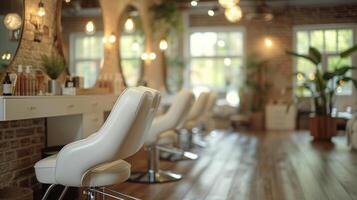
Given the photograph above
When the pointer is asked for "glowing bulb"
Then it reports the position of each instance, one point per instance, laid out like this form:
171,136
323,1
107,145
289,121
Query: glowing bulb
227,61
12,21
232,98
41,10
90,27
112,38
152,56
268,42
233,14
3,57
194,3
210,12
67,1
144,56
228,3
129,25
300,77
8,56
163,45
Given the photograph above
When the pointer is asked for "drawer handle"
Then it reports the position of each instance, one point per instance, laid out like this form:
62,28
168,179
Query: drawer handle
95,104
31,108
70,106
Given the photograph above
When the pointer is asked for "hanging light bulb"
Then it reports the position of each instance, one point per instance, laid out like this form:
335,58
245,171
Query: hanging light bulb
163,45
268,42
152,56
228,3
210,12
90,27
129,25
112,38
12,21
233,14
41,9
194,3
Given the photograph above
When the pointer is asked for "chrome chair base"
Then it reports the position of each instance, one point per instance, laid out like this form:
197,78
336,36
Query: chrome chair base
175,154
92,191
154,177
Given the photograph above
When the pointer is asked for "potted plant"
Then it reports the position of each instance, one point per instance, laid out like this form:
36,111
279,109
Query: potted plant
322,85
258,88
53,65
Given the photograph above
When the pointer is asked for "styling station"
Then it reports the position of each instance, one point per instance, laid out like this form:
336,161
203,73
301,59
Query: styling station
178,99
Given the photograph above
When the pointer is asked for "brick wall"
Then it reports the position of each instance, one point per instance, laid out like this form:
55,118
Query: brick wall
20,147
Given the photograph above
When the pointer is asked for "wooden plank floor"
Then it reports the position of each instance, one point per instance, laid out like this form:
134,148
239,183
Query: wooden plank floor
275,165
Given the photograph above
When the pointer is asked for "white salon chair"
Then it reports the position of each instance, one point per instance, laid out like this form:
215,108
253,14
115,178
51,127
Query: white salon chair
167,122
96,162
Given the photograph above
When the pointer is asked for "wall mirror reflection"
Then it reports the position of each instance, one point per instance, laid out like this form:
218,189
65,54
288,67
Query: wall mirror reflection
11,25
131,46
82,38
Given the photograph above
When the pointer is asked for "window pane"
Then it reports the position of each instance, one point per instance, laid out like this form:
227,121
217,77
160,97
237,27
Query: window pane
333,63
235,44
345,39
302,40
89,70
131,71
203,44
330,41
316,39
88,47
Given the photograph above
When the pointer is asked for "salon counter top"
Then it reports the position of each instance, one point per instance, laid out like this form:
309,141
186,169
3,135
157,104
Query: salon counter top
28,107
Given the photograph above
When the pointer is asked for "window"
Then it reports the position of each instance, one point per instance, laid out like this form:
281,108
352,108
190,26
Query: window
330,41
215,58
87,56
131,48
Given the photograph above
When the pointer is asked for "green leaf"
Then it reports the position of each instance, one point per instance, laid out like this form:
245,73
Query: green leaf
302,56
328,75
349,51
343,70
315,55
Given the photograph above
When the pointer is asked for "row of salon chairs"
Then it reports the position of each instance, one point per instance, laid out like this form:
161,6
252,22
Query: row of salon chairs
98,160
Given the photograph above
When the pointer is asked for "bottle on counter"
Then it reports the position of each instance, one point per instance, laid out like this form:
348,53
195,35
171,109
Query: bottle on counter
20,85
31,81
7,85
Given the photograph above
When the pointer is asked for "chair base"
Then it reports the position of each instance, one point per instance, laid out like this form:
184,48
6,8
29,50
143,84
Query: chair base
177,157
155,177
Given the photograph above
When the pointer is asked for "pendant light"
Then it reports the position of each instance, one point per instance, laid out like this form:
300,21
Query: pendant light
233,14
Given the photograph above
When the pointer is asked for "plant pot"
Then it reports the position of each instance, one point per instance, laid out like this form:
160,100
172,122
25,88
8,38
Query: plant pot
257,121
323,127
53,87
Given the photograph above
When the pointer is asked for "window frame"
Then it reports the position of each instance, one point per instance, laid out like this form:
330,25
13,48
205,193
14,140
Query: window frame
326,55
216,29
72,56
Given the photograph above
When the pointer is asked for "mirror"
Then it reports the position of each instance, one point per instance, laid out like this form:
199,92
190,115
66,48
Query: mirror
82,38
11,26
131,46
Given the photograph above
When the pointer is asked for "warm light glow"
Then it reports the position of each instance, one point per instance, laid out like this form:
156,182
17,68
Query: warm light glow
41,10
300,77
112,38
228,3
67,1
90,27
148,56
8,56
232,98
129,25
163,45
342,82
233,14
12,21
268,42
312,76
227,61
194,3
210,12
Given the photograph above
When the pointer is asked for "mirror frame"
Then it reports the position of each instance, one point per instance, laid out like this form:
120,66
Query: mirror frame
59,38
120,29
21,35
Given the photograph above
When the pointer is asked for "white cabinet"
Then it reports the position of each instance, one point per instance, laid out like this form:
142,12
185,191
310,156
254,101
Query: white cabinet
69,118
